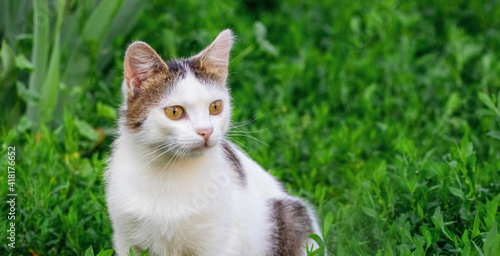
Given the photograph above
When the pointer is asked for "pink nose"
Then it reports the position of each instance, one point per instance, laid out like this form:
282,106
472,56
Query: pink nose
205,132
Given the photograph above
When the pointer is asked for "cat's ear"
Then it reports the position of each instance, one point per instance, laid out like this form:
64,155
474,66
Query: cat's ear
215,58
141,62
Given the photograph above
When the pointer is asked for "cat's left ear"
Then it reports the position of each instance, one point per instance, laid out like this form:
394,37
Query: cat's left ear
214,60
141,64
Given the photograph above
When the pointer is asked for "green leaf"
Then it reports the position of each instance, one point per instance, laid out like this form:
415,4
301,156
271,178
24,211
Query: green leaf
466,250
469,50
106,253
437,219
24,124
131,252
72,217
318,240
491,245
412,184
457,192
316,252
420,248
30,97
465,238
370,212
428,239
86,130
106,111
23,63
8,57
477,248
93,197
144,253
327,224
498,100
494,134
475,229
89,252
452,104
488,102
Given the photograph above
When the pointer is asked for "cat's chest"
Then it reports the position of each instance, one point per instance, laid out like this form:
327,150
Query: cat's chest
202,186
178,198
177,215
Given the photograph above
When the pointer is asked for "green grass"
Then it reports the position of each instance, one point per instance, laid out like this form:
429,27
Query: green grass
383,114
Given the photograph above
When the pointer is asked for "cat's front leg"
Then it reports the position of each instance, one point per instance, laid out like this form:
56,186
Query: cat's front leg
120,245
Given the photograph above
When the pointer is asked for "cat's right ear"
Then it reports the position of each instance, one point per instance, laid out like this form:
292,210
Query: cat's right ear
141,62
214,60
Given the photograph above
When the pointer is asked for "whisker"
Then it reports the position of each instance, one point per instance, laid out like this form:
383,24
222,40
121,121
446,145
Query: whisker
235,141
239,124
172,158
162,147
164,152
240,132
257,131
253,138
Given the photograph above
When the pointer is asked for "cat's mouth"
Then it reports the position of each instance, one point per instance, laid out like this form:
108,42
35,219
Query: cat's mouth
202,147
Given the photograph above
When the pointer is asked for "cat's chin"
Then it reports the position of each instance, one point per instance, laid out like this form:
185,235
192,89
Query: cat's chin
200,150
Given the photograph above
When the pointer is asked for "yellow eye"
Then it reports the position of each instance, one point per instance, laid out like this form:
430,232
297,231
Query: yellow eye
215,107
175,112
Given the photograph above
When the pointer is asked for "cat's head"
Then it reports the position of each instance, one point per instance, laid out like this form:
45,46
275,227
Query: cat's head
179,105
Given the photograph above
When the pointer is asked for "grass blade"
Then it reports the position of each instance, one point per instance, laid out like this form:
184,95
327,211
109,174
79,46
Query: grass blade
89,252
100,21
40,52
492,241
49,92
92,37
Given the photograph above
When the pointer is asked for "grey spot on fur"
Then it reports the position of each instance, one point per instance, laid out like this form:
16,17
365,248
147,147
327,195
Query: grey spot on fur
292,225
178,67
235,162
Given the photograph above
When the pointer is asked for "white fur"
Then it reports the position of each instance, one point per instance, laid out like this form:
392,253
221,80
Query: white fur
165,195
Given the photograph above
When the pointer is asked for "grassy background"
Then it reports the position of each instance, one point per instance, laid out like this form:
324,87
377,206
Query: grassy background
384,114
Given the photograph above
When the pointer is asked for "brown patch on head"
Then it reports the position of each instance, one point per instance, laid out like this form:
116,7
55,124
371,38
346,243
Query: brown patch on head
292,225
202,73
235,162
147,80
144,98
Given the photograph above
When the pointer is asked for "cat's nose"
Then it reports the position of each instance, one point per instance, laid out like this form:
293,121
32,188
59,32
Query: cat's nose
205,132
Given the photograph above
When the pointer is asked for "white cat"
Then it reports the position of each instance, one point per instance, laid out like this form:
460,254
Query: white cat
175,184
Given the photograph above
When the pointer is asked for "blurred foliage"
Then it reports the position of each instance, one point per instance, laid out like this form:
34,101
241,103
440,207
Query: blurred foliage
383,113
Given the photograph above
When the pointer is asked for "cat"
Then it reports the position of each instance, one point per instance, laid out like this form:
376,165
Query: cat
175,184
